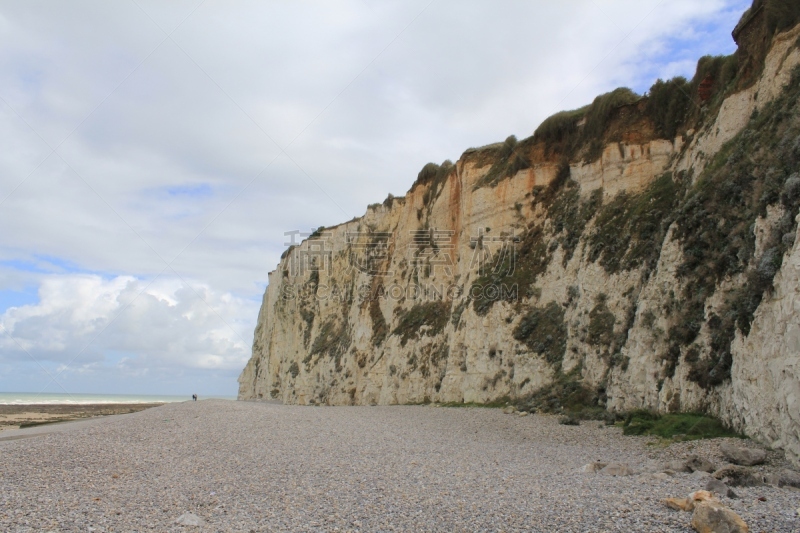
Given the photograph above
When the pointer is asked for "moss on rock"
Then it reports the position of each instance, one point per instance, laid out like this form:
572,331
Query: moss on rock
434,315
543,330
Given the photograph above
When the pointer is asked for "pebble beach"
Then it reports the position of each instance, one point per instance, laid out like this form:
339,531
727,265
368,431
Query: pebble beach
255,467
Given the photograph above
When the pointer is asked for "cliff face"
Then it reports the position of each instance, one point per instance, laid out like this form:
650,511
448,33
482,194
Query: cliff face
652,272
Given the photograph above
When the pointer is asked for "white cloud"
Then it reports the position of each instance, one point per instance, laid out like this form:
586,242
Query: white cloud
93,325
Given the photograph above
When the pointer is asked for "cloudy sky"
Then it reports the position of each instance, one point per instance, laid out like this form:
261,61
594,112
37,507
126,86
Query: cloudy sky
155,153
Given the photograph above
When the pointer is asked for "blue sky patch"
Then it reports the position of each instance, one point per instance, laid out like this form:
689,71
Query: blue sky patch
199,190
680,53
18,298
43,264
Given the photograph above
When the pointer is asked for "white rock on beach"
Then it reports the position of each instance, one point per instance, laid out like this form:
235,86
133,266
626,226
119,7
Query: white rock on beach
189,519
741,455
592,468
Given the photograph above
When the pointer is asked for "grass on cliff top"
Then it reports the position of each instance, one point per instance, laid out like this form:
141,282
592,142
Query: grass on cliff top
780,14
509,158
687,426
670,106
434,176
562,128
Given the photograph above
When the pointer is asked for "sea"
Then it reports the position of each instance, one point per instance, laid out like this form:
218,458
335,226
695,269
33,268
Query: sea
27,398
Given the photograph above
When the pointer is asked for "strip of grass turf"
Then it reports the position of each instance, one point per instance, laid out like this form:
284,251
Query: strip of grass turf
689,426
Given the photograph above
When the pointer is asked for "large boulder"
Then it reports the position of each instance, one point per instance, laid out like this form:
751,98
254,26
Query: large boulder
740,455
713,517
695,463
677,466
190,519
701,476
738,476
720,488
790,478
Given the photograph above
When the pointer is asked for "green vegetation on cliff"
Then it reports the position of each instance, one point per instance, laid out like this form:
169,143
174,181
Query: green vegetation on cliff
668,108
567,394
333,339
542,329
433,316
629,231
755,174
511,278
380,329
433,176
563,132
569,215
508,159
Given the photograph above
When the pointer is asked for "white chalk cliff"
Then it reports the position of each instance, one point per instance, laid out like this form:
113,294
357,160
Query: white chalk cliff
533,261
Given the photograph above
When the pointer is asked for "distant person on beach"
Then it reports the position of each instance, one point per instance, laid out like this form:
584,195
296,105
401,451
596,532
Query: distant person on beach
194,397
